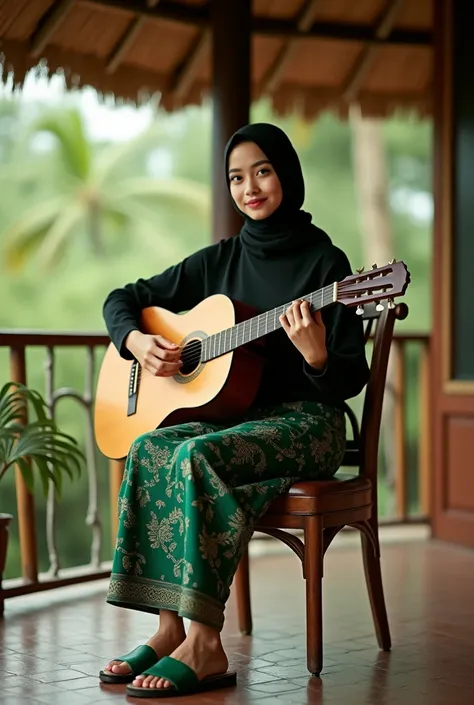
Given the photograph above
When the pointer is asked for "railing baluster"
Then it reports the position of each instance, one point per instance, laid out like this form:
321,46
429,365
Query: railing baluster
93,518
400,431
51,502
424,464
24,498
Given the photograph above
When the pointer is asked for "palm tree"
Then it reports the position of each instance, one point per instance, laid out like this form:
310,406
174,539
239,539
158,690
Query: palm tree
93,186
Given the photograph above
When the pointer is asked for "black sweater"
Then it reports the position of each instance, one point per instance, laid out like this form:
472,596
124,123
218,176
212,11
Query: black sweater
263,282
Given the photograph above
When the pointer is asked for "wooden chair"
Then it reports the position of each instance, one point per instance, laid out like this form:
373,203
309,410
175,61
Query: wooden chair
321,509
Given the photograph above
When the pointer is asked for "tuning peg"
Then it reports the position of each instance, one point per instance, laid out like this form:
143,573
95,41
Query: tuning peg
392,261
374,266
391,303
360,310
359,271
379,307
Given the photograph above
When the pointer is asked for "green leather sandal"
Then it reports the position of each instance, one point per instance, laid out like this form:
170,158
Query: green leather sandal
183,679
139,659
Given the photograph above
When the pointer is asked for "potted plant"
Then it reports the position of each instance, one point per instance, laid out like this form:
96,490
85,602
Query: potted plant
31,440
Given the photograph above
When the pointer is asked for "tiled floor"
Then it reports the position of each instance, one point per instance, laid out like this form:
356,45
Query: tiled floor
52,645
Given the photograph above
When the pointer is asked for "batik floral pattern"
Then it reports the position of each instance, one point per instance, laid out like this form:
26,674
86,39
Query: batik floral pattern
191,495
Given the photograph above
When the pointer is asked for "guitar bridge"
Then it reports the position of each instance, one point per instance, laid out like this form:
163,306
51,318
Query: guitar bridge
133,388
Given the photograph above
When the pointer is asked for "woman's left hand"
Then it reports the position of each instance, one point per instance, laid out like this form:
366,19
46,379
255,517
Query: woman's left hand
307,332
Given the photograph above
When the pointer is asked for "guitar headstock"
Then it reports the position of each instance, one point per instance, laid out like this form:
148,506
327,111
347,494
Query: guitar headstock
375,284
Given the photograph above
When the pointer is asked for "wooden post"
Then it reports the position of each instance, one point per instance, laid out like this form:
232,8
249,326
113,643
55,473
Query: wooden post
24,499
231,95
400,431
424,447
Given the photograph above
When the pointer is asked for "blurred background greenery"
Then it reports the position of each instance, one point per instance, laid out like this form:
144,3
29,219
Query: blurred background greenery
93,195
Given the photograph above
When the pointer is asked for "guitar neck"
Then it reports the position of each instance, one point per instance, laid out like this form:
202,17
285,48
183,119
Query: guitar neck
254,328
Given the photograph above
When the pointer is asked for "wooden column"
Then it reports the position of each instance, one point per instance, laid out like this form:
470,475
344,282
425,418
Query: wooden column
452,376
24,499
231,95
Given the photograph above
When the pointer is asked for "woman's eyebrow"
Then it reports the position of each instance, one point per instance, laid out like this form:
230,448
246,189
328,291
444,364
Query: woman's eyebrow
259,163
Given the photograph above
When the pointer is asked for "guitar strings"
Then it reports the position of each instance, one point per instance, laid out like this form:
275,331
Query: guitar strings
192,353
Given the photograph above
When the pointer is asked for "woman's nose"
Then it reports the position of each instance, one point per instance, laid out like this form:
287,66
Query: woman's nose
251,187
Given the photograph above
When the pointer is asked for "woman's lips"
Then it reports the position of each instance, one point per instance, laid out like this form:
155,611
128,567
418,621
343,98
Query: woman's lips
255,202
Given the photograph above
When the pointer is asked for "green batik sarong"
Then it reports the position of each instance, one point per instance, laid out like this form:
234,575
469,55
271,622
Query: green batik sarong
191,495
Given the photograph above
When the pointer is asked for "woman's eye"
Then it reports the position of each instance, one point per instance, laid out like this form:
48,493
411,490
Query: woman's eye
234,178
264,171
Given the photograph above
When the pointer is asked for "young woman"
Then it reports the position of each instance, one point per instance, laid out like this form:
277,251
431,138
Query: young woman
191,494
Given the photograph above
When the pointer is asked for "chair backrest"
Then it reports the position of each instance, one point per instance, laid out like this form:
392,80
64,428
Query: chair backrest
373,402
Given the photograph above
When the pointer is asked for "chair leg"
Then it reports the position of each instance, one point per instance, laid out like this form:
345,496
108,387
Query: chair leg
373,577
313,558
242,592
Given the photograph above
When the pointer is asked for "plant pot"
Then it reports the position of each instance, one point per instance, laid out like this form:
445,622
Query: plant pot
5,520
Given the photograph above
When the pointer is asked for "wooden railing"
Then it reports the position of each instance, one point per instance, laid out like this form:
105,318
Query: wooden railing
17,342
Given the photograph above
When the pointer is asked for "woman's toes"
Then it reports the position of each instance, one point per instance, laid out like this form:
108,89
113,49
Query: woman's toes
151,682
162,683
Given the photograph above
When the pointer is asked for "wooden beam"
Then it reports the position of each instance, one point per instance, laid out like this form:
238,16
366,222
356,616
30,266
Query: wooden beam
184,77
48,25
362,65
274,74
198,16
152,3
124,44
340,31
194,15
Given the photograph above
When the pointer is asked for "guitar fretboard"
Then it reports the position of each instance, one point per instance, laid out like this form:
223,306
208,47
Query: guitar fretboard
258,326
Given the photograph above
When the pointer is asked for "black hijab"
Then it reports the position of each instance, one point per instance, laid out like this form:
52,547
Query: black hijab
289,228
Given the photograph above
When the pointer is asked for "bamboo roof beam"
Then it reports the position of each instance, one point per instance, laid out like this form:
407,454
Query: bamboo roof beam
362,65
48,26
186,72
125,44
274,74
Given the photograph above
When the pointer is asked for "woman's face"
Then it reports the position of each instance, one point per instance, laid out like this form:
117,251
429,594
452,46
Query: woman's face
254,185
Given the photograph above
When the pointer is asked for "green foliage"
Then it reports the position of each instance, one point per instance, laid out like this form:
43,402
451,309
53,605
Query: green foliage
88,189
39,441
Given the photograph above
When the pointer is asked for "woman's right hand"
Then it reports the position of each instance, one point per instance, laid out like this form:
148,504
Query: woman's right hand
154,353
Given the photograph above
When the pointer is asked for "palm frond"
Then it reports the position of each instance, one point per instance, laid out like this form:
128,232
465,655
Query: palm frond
14,399
37,443
183,191
54,246
108,160
68,128
145,222
27,233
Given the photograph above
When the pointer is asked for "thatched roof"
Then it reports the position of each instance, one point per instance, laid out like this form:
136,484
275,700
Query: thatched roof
314,53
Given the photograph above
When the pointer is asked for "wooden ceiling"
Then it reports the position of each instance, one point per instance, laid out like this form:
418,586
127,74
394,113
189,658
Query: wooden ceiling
314,54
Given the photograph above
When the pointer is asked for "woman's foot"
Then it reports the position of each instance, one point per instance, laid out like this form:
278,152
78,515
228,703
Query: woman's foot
202,651
169,636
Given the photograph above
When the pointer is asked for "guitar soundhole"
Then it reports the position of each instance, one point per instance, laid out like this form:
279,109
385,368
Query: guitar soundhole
191,357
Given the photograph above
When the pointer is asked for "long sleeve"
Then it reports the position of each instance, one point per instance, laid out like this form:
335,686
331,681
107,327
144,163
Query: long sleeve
177,289
346,372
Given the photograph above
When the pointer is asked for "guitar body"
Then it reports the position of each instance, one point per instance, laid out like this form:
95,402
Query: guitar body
131,401
222,388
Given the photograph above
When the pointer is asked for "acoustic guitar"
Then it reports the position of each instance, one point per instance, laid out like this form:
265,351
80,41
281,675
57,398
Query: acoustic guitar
220,343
